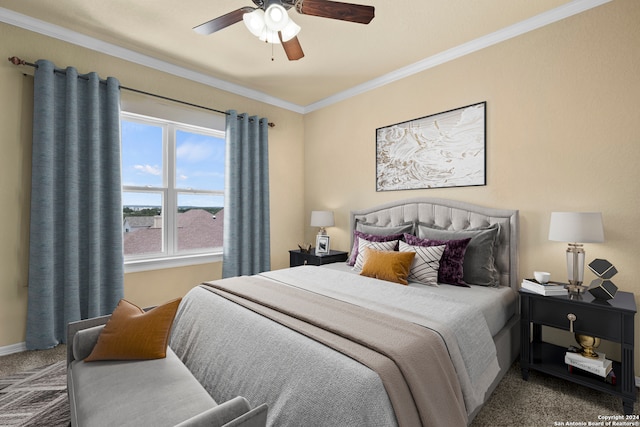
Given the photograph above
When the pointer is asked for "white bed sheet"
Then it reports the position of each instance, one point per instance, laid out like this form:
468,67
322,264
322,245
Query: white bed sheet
498,304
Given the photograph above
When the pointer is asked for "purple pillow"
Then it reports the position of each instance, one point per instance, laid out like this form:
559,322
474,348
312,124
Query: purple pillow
450,270
370,237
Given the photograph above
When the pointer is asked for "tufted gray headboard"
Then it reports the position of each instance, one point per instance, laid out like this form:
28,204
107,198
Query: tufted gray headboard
452,215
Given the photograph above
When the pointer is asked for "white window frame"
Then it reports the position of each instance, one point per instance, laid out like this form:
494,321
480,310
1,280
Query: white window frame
170,257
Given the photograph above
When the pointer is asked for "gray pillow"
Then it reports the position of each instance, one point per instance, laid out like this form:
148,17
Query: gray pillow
479,267
380,230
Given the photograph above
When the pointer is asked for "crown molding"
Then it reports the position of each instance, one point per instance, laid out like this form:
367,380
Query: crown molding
565,11
538,21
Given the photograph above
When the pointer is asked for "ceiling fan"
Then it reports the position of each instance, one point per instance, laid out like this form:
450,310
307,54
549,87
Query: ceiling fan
270,22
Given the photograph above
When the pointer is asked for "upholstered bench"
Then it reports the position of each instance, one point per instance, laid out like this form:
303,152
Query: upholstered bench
157,392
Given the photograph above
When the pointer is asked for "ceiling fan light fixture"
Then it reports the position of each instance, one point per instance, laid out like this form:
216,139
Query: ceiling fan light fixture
270,22
290,30
269,36
276,17
254,22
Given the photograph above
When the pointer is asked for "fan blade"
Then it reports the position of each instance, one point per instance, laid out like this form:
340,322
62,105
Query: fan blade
222,21
336,10
292,48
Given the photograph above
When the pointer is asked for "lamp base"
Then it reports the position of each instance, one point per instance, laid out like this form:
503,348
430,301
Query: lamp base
575,268
576,288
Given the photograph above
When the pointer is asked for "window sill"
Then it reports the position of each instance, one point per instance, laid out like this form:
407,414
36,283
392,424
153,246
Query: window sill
134,266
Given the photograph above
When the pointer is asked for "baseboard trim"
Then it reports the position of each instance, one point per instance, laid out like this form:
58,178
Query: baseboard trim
13,348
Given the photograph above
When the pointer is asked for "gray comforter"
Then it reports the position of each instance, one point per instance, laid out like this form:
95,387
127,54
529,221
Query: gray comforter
233,351
462,326
229,348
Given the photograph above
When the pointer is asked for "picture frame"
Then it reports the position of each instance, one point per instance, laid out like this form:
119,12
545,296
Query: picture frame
322,245
441,150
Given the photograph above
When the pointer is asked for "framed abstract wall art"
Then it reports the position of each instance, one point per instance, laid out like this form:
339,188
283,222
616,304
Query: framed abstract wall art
447,149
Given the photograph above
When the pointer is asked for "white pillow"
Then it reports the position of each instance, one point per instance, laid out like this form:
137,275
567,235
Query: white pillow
426,263
381,246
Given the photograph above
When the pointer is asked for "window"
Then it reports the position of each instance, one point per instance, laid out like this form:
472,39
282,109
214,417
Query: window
172,192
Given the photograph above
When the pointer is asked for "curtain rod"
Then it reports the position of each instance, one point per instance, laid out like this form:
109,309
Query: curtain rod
17,61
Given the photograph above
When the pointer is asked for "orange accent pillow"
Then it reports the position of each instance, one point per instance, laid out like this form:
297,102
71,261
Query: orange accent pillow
133,334
388,265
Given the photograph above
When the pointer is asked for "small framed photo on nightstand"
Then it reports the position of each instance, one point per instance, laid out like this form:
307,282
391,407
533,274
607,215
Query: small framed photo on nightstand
322,245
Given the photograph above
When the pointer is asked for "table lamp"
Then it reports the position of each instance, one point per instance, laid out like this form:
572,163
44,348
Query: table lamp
576,228
322,219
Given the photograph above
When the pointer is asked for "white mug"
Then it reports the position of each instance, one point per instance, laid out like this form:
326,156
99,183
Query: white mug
542,276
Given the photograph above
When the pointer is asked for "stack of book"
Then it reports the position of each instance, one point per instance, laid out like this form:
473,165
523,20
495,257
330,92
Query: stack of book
546,289
601,366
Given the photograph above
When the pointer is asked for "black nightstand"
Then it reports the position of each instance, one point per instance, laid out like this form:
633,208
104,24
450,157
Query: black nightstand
611,320
296,257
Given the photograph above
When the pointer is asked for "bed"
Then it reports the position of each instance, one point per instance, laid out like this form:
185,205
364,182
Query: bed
327,346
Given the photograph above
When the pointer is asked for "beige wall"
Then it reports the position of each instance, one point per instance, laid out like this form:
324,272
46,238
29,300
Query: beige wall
563,108
147,288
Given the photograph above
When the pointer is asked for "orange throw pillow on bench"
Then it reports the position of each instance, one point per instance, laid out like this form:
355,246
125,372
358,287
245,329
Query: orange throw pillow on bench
133,334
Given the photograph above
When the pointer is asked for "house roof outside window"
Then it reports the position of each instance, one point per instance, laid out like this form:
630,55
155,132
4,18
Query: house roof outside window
197,229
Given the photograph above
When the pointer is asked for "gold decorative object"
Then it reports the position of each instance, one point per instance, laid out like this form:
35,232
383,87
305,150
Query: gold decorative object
305,249
588,343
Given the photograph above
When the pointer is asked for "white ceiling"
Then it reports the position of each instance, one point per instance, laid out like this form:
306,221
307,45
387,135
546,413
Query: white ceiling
341,58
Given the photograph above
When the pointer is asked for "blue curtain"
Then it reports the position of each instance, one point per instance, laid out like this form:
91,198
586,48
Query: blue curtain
246,207
76,266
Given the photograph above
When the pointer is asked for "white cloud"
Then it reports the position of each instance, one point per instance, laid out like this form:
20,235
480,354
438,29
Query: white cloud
194,152
148,169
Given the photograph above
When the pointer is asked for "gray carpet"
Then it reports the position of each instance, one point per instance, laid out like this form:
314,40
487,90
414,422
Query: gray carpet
25,360
36,397
546,401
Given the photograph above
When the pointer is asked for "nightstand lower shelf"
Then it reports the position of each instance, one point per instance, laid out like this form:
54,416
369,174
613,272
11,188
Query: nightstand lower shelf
549,358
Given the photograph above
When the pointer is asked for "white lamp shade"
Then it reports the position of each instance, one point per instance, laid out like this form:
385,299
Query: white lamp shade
576,227
290,30
254,22
266,25
276,17
322,219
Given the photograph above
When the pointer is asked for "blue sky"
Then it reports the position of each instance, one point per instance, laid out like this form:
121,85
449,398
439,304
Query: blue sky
199,164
